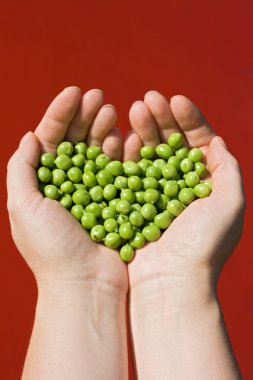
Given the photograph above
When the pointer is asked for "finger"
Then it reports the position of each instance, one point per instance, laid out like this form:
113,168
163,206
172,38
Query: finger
226,175
162,114
22,183
132,147
143,123
89,106
53,127
194,125
112,145
102,124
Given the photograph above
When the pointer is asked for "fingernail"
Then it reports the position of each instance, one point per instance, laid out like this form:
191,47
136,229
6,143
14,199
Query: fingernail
151,91
70,88
137,101
24,139
222,142
109,105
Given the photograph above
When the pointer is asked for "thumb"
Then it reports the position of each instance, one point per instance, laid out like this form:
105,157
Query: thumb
226,174
22,181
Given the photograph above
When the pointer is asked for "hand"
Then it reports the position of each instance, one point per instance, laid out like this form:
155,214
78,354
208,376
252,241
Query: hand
173,303
51,240
198,242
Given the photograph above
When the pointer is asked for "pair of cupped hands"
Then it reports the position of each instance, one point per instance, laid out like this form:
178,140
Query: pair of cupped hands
55,245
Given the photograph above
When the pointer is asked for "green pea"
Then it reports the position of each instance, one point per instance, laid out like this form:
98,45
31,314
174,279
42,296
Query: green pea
94,208
81,197
137,241
151,233
63,162
174,207
104,178
113,202
47,160
44,174
169,171
75,174
164,151
65,147
66,200
58,177
67,187
109,212
112,240
163,220
175,140
126,253
151,196
115,168
181,184
144,164
80,148
200,169
186,196
186,165
89,179
134,183
98,233
51,192
79,186
128,195
162,202
159,163
191,179
126,230
90,166
195,155
202,190
122,219
103,205
148,211
182,153
171,188
135,207
136,219
93,152
96,193
131,168
139,197
88,220
111,225
78,160
147,151
120,182
109,191
123,207
161,183
153,171
174,161
77,211
209,183
150,183
102,160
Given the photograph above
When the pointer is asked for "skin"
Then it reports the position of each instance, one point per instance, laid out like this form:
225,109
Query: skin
80,322
82,286
173,301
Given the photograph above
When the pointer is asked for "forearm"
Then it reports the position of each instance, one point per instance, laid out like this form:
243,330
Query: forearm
79,333
178,333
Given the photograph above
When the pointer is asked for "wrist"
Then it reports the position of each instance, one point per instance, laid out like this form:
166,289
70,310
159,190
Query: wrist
93,295
172,293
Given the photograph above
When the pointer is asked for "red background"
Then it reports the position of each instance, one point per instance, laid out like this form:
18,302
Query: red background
200,49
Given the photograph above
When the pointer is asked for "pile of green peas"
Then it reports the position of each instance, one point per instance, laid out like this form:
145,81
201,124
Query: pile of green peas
124,205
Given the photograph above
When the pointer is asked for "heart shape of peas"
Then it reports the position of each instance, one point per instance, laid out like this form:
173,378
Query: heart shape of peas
124,205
